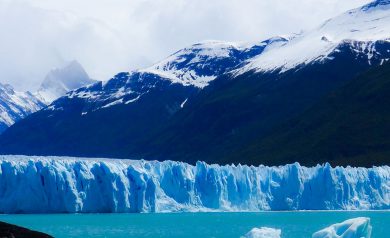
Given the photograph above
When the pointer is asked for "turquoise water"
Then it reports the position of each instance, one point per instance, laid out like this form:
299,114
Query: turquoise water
224,225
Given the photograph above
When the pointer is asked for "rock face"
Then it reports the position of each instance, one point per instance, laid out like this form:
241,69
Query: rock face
12,231
58,184
60,81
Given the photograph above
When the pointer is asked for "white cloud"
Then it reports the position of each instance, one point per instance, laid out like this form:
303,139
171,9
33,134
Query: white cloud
109,36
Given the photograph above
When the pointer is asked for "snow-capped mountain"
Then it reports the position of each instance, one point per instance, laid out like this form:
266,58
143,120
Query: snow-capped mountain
194,66
203,62
16,105
61,80
124,88
360,28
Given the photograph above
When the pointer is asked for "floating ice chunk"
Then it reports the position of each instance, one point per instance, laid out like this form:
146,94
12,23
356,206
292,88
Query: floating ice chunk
263,232
353,228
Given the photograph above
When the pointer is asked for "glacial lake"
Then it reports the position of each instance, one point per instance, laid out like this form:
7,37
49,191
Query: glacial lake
198,225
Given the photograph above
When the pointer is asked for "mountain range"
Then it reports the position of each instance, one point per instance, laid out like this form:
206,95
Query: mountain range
15,105
318,96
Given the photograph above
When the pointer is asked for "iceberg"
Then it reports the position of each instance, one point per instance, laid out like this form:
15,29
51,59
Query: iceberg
77,185
353,228
263,232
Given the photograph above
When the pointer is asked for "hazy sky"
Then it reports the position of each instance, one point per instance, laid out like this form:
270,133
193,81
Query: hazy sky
109,36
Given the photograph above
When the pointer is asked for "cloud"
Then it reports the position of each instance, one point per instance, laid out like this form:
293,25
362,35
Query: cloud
109,36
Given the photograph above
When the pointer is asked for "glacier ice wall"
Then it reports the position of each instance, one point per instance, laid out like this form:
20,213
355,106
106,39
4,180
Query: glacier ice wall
62,184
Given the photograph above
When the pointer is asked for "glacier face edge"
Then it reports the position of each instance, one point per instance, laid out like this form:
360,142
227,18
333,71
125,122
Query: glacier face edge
76,185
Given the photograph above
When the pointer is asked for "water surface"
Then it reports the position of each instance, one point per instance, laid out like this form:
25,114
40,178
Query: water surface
218,225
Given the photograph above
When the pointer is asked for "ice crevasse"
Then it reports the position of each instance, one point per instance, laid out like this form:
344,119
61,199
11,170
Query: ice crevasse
64,184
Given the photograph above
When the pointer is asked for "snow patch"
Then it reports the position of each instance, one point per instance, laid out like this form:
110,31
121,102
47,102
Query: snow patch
116,102
133,100
183,103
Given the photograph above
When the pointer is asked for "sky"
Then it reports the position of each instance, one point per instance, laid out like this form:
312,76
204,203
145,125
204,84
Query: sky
111,36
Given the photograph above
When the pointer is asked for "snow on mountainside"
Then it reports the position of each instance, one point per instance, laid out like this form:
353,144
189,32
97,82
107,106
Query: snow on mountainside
203,62
63,184
60,81
360,28
194,66
16,105
123,88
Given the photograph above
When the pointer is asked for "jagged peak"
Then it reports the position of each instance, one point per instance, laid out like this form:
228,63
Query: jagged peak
61,80
72,67
7,88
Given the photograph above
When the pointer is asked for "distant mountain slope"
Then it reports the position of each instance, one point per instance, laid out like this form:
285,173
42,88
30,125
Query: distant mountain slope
16,105
274,87
111,118
60,81
221,121
195,66
351,125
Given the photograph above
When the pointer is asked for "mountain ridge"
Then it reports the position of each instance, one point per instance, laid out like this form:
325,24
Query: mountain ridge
16,105
357,25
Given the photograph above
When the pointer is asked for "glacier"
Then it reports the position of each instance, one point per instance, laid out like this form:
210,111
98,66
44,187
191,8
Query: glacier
358,227
79,185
